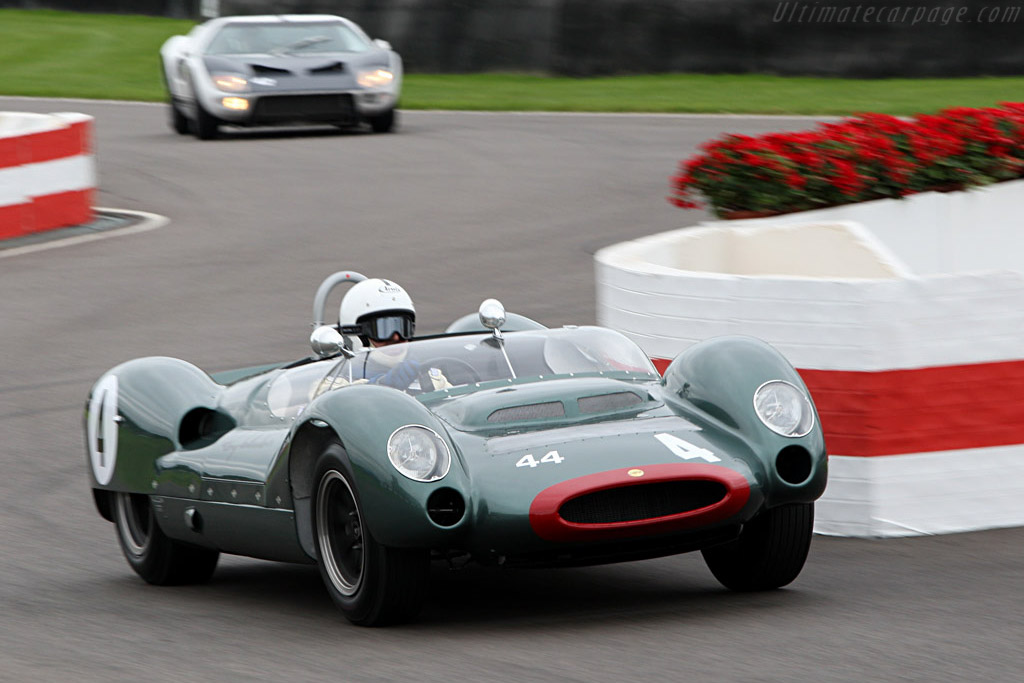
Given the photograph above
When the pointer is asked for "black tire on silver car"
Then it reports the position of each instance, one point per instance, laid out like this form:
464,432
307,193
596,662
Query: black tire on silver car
178,120
155,557
383,123
770,551
207,126
374,585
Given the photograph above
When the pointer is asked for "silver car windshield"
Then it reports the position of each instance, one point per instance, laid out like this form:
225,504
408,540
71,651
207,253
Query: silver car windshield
428,365
290,38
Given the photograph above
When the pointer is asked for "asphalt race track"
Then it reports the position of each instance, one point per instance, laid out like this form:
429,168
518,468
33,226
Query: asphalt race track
457,208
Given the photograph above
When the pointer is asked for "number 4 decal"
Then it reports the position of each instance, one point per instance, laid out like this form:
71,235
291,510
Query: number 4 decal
685,449
529,461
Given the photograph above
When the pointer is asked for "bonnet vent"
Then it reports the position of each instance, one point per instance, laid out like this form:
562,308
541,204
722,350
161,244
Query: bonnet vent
335,68
606,402
263,69
533,411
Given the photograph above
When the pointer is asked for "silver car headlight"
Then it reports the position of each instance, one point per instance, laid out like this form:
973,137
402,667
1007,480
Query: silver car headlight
419,453
230,82
375,78
784,409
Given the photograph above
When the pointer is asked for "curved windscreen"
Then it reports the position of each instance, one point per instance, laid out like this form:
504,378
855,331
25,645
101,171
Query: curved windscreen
434,364
285,38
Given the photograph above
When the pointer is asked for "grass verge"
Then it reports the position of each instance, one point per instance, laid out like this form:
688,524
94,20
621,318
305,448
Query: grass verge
99,56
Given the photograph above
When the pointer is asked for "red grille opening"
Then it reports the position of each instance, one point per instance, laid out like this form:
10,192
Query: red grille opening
642,501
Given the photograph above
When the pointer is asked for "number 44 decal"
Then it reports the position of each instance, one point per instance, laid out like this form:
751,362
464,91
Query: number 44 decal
685,449
529,461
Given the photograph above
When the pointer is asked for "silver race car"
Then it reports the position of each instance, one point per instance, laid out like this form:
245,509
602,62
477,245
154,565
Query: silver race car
272,70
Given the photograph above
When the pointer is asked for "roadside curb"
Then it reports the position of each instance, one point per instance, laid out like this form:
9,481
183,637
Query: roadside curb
108,223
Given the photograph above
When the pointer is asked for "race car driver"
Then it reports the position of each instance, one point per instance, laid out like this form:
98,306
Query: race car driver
382,315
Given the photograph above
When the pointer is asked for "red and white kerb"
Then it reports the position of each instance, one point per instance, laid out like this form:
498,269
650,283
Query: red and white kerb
47,172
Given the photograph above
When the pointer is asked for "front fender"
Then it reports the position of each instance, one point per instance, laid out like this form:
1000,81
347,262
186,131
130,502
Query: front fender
713,383
395,507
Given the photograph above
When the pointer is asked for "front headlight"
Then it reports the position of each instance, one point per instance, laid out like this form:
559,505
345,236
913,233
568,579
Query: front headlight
783,408
419,453
230,82
375,78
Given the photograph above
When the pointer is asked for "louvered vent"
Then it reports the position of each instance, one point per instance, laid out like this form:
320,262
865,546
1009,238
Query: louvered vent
335,68
606,402
641,501
533,411
263,69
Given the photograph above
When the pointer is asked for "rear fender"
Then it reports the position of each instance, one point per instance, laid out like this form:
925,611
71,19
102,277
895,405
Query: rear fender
134,415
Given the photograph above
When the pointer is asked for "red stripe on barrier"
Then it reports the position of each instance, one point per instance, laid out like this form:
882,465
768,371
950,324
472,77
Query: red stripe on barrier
61,210
13,152
83,129
56,144
893,412
13,219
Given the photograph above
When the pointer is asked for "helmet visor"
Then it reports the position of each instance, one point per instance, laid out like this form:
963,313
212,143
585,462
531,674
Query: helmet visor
386,326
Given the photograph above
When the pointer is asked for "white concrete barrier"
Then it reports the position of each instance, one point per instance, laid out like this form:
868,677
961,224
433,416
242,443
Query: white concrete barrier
47,172
916,378
934,233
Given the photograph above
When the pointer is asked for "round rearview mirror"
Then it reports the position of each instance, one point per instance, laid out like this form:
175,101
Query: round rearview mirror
492,314
326,341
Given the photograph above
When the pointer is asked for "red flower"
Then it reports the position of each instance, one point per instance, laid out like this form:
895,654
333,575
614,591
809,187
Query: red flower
866,156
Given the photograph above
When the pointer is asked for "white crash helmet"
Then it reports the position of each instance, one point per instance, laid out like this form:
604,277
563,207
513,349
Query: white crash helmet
376,309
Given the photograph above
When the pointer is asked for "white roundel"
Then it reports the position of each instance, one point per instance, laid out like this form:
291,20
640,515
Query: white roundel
101,429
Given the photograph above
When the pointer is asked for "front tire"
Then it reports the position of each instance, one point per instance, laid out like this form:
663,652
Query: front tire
158,559
178,120
374,585
383,123
207,125
770,551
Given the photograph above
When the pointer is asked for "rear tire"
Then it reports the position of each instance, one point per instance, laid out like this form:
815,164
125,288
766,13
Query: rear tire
155,557
384,123
372,584
770,551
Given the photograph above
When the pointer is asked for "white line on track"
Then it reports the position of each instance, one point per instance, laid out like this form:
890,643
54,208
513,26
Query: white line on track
149,221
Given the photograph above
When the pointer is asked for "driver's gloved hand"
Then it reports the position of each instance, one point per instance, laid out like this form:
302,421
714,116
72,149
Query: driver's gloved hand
400,376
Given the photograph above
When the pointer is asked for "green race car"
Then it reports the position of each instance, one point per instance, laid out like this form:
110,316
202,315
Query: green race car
511,444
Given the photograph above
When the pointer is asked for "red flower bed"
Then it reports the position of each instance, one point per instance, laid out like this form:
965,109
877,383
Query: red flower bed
869,156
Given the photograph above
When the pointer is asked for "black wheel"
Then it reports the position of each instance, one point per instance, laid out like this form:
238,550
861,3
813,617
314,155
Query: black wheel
769,553
155,557
207,125
372,584
178,121
384,123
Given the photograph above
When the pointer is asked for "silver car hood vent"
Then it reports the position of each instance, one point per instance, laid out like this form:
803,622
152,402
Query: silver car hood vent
334,68
264,69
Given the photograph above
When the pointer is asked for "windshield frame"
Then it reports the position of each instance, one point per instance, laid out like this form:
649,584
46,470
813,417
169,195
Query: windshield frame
473,361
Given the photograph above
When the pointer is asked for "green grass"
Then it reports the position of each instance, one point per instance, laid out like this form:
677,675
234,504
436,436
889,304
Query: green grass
62,54
748,94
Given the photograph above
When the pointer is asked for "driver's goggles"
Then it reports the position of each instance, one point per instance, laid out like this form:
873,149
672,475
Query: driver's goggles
385,327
